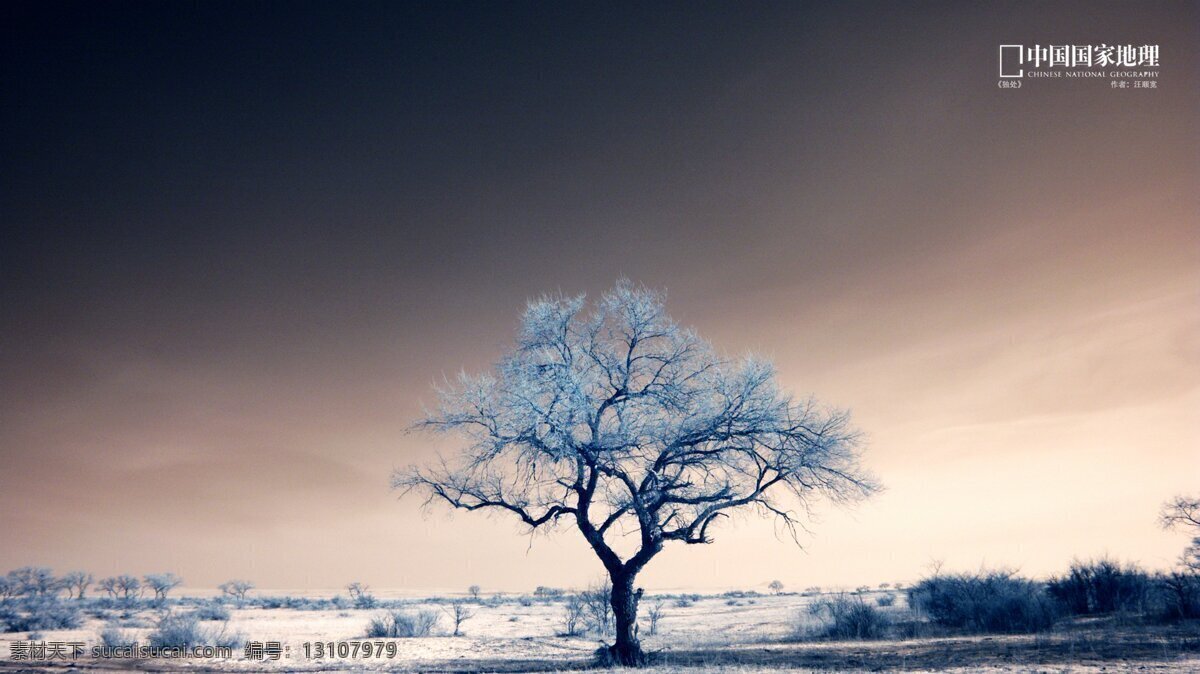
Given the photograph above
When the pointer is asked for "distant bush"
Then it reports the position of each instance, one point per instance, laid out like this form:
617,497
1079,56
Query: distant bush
849,617
8,616
989,601
1176,596
236,589
361,595
543,591
183,630
402,625
299,603
212,611
113,636
885,599
40,613
177,630
1102,586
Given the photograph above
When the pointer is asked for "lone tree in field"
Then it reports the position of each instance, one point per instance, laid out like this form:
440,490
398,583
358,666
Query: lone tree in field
615,420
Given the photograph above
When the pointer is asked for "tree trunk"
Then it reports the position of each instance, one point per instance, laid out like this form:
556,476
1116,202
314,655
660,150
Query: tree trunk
627,651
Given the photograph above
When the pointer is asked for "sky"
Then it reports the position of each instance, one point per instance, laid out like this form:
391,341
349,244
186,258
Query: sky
242,241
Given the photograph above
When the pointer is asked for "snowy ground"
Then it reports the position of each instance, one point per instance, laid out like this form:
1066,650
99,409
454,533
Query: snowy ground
713,634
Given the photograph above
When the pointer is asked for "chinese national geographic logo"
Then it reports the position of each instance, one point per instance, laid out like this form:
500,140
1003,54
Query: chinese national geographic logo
1126,66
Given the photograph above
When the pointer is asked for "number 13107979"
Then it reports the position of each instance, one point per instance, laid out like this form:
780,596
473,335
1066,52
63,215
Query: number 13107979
314,650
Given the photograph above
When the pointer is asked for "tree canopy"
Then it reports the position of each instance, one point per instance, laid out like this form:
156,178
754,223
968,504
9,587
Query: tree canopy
612,417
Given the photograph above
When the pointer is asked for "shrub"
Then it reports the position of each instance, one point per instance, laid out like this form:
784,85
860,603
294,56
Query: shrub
113,636
41,613
8,616
989,601
1102,586
211,611
183,630
573,610
177,630
402,625
294,603
597,608
886,599
361,596
418,624
223,638
1176,596
849,617
654,612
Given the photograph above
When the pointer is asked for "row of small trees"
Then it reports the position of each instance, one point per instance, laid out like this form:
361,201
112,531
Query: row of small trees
40,582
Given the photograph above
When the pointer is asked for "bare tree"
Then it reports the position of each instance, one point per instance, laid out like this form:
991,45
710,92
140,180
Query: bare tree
474,591
1183,512
236,589
1180,511
573,610
655,613
77,582
161,584
597,607
618,420
128,587
458,613
361,595
36,581
775,586
109,586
